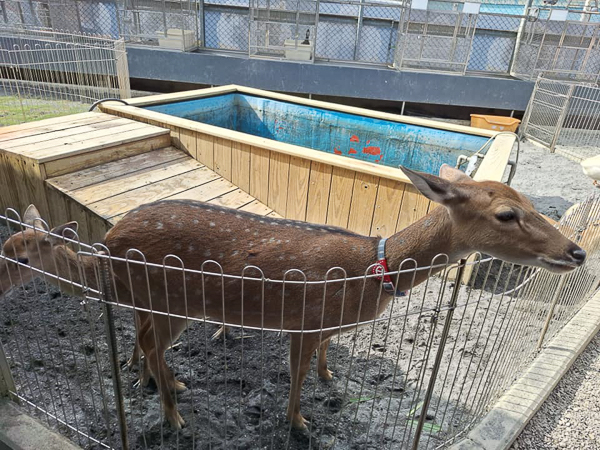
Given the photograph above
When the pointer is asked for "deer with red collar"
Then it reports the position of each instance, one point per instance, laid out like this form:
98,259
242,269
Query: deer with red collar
487,216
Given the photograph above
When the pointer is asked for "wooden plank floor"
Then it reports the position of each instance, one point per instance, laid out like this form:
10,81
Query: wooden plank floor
62,137
113,189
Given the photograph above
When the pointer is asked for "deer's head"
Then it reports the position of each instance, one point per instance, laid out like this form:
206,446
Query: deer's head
493,218
32,247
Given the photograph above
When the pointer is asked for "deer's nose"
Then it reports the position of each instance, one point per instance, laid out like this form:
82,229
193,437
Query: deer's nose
578,254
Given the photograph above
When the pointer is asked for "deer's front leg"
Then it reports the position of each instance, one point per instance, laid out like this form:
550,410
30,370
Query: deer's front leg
301,350
322,369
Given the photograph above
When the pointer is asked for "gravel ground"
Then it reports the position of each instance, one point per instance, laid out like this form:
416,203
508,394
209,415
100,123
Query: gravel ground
570,418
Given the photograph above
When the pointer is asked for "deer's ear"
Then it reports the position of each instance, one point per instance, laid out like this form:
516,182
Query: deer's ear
32,217
434,188
453,175
68,230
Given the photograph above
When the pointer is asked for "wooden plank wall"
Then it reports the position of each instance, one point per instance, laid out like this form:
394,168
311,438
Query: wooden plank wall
302,189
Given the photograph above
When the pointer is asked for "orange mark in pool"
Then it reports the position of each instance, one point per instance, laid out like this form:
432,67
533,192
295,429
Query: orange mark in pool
336,151
352,151
354,138
372,150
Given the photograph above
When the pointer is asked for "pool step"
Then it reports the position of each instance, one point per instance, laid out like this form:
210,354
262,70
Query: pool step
67,144
112,189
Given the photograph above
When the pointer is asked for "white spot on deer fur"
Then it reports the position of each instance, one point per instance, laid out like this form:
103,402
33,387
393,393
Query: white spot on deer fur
252,219
289,224
207,253
263,240
235,253
196,222
222,212
173,216
191,248
309,228
145,222
262,221
287,241
281,258
221,255
234,239
212,224
292,258
228,230
159,226
272,240
247,230
255,233
239,216
297,226
273,223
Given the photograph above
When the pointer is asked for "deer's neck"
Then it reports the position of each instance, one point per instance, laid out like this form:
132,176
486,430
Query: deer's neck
423,241
77,269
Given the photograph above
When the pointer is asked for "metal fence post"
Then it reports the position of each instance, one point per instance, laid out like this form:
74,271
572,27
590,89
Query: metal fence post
561,118
111,338
561,285
359,26
122,69
7,383
440,353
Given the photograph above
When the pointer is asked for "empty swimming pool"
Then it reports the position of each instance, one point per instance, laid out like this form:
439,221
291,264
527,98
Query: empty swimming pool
386,142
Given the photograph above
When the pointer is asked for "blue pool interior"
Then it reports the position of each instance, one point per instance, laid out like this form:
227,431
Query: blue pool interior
383,142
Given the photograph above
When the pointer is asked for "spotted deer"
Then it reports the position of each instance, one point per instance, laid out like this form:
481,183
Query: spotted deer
485,216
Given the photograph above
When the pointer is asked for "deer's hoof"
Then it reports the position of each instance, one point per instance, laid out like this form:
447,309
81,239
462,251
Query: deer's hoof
179,386
299,422
326,374
175,419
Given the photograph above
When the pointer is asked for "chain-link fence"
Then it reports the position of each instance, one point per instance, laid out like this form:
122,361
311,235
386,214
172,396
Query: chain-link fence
561,42
496,37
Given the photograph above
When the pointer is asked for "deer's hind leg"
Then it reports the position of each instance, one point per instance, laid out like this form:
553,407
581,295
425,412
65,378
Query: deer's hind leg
142,322
154,343
302,348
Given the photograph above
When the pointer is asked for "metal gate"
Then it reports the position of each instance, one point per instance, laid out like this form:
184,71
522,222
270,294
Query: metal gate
564,116
561,42
174,24
438,40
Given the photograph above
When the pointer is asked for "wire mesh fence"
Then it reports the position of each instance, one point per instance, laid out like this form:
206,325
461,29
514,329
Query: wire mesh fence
46,73
564,116
491,37
564,45
422,372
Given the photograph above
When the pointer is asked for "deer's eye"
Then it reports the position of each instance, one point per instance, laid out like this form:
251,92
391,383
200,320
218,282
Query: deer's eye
506,216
